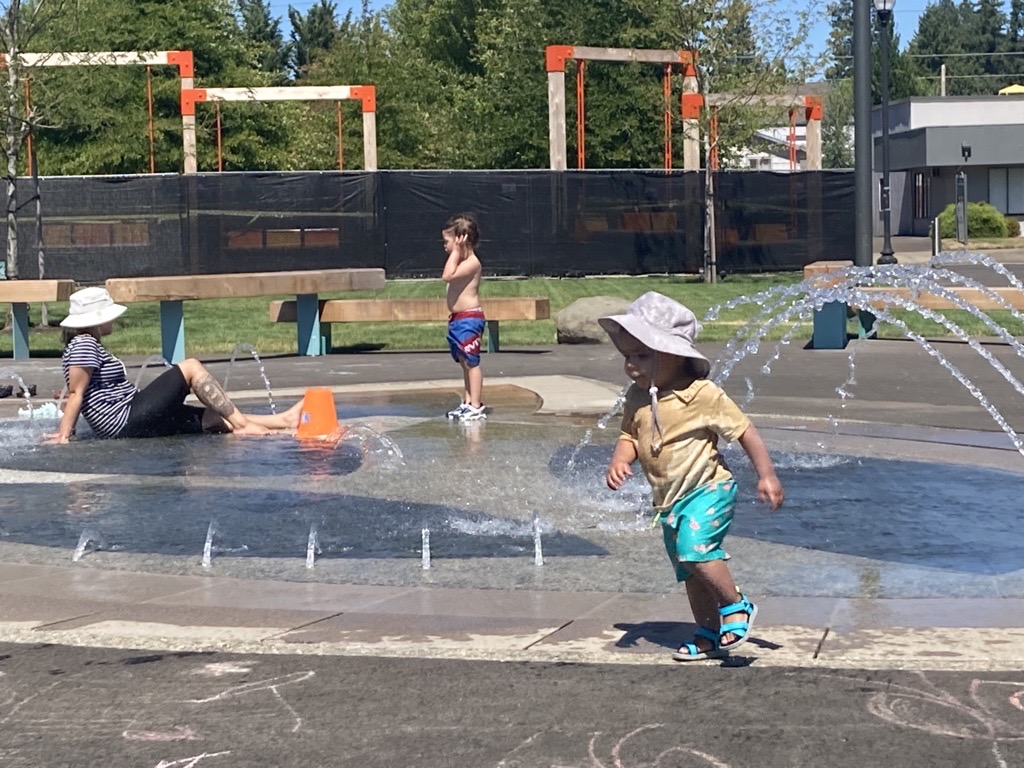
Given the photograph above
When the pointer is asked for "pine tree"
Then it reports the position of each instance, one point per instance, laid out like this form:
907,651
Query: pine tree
312,34
264,34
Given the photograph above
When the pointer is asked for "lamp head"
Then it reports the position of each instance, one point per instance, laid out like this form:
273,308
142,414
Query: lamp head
884,9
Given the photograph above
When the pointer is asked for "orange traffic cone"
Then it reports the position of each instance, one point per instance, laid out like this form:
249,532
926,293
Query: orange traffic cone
318,419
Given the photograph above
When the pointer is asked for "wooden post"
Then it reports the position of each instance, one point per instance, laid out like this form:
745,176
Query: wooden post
691,104
814,111
370,141
556,120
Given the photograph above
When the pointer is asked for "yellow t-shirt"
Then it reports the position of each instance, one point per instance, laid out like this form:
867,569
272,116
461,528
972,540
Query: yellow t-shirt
691,420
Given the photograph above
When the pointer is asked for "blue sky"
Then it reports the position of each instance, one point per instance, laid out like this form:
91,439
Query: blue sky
906,14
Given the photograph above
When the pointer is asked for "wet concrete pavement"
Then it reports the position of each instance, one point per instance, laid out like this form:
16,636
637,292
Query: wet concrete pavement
105,664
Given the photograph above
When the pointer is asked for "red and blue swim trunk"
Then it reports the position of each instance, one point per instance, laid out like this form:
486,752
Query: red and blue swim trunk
465,330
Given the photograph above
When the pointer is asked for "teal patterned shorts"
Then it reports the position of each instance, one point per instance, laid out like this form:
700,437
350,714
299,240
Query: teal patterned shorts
696,525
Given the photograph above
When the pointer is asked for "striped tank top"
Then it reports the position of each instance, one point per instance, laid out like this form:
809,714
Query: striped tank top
108,398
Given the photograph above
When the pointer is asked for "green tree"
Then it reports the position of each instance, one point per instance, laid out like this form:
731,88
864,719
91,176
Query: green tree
946,28
836,122
312,34
363,53
105,129
263,33
903,71
840,41
21,25
990,38
836,125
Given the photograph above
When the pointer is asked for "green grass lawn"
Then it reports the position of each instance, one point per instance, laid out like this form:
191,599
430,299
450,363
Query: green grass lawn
215,326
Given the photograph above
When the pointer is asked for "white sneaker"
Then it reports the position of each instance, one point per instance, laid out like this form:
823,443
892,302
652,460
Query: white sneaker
473,414
456,413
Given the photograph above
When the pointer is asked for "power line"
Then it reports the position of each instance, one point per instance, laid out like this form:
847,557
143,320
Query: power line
944,55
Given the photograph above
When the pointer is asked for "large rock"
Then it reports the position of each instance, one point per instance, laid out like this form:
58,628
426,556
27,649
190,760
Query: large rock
577,323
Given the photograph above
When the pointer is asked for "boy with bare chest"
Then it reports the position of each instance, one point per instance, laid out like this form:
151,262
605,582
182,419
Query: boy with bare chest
462,272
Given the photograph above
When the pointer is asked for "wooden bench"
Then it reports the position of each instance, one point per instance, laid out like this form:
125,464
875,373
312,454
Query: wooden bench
830,321
19,294
412,311
306,285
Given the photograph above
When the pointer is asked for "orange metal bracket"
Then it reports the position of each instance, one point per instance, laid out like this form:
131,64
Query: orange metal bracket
555,57
367,94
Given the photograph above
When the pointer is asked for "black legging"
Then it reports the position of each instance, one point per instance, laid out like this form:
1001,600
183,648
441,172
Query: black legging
159,410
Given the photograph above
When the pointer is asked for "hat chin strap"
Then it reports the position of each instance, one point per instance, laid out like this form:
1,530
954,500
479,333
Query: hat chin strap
657,434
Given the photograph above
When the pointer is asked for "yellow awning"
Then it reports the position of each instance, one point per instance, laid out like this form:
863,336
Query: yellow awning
1011,90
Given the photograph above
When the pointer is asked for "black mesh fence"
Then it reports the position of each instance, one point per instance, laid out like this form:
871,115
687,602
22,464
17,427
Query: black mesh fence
532,222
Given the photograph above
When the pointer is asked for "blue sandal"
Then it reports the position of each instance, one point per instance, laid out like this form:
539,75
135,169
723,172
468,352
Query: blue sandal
691,652
741,629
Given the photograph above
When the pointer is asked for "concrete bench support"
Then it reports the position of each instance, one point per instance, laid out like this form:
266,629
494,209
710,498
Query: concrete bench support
19,330
493,336
172,330
829,328
19,294
307,310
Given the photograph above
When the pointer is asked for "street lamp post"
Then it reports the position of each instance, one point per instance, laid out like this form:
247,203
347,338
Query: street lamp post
883,9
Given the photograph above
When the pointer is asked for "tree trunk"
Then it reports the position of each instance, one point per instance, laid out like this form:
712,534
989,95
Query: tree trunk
14,134
44,315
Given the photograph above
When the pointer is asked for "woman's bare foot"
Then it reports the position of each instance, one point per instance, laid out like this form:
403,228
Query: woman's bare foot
251,429
291,416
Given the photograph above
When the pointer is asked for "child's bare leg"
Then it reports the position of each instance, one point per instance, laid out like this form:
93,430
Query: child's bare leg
466,397
704,607
212,395
715,578
474,379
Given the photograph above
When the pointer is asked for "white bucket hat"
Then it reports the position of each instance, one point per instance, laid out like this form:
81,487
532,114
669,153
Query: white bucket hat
662,324
90,307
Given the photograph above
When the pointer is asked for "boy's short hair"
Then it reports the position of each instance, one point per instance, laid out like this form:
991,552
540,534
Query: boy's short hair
464,224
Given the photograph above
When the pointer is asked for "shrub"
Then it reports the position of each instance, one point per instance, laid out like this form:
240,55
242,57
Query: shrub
983,220
1012,226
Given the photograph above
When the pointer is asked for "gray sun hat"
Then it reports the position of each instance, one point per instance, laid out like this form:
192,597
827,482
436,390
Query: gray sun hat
662,324
90,307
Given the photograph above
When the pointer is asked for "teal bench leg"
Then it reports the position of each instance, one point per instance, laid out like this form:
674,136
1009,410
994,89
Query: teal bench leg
172,331
307,315
19,332
493,337
325,338
830,326
866,325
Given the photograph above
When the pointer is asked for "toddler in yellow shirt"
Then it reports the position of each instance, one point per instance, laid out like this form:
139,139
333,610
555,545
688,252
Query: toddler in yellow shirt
674,417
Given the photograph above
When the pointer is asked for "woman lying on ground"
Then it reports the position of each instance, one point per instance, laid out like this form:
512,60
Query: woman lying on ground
99,390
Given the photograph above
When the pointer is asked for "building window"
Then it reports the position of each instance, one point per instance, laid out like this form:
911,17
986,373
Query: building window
922,195
997,188
1015,191
96,234
318,237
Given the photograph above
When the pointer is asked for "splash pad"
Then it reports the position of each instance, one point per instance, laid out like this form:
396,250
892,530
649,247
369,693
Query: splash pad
868,512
